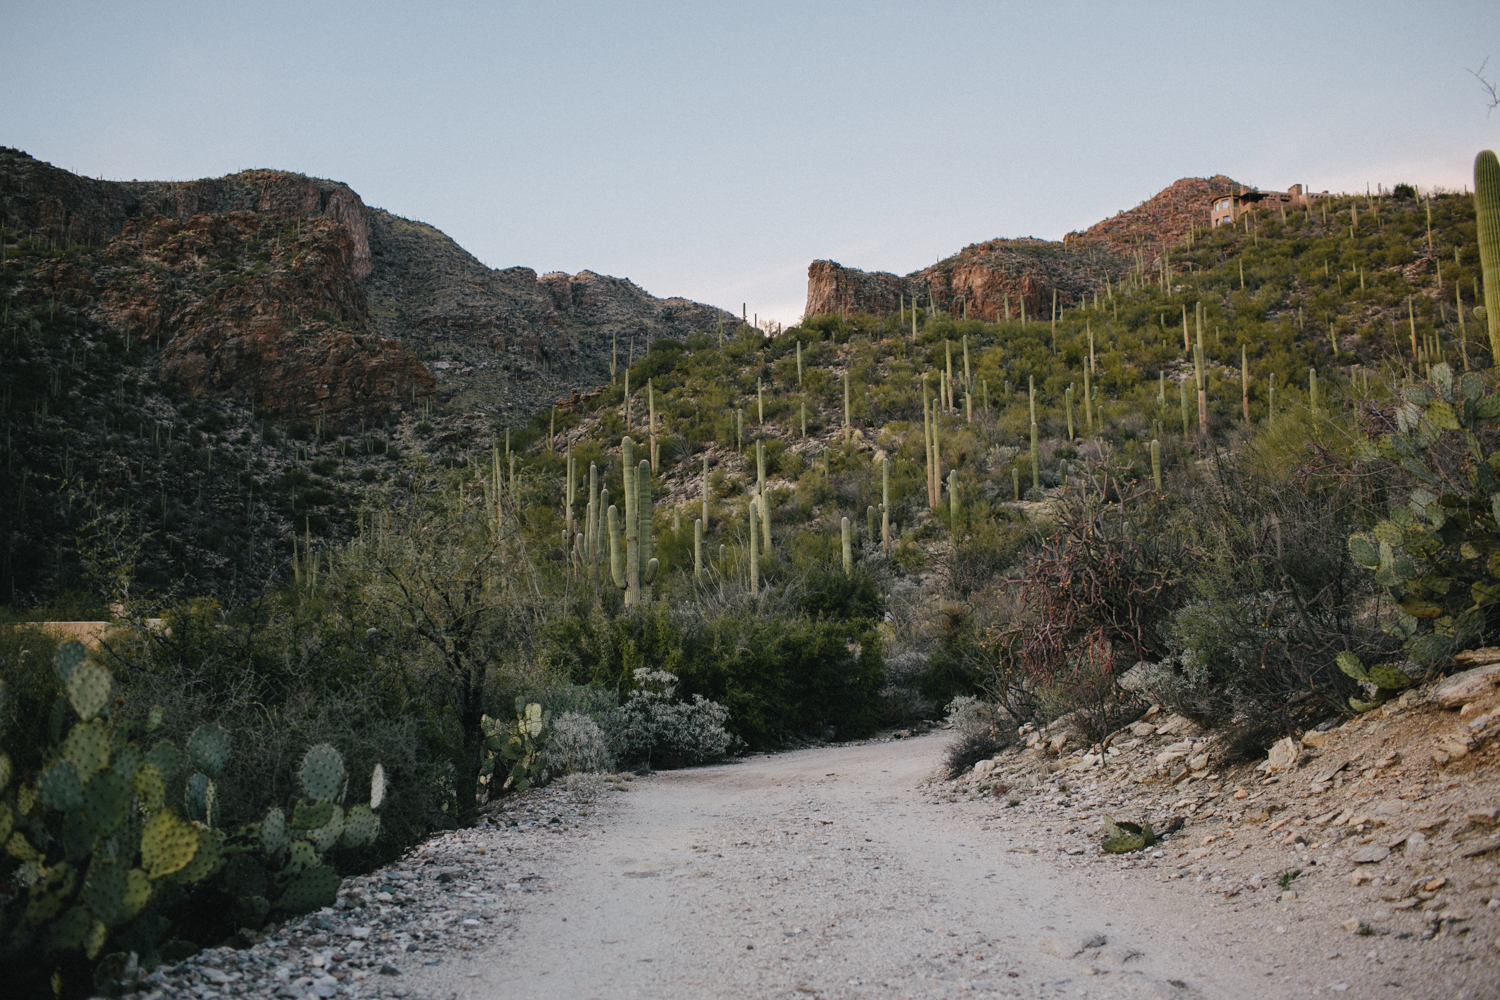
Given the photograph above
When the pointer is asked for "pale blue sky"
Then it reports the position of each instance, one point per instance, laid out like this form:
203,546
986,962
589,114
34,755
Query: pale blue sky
713,150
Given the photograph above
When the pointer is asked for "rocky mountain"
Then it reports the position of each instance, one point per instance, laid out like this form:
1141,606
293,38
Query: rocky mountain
1001,277
295,303
195,372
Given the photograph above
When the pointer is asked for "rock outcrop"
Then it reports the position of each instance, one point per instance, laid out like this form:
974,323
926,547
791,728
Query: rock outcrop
987,280
984,281
1163,219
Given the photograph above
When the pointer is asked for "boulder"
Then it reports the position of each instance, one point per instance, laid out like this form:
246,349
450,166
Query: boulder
1455,691
1283,756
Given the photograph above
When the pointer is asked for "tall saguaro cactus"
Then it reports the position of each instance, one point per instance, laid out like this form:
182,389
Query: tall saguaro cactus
698,549
1487,219
885,504
705,492
1036,465
848,547
635,572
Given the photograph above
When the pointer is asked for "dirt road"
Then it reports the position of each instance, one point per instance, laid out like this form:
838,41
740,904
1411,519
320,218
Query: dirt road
830,873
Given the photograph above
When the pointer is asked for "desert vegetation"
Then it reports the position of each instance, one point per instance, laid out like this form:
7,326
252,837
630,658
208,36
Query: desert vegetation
1260,466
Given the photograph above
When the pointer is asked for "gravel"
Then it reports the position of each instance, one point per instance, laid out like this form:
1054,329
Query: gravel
452,896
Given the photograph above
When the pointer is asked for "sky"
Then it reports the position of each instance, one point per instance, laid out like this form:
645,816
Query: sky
713,150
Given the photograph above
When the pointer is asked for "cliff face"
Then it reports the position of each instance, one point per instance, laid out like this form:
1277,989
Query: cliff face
988,277
510,341
358,309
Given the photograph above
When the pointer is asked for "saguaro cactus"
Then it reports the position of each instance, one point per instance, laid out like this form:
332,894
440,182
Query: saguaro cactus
1156,464
848,427
1036,466
1487,219
705,492
754,547
885,504
799,366
637,569
1312,390
1069,396
760,491
698,549
646,564
870,522
848,547
953,505
1186,421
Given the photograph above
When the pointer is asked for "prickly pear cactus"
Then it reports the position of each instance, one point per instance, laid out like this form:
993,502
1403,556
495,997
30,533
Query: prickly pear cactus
1122,838
1388,679
89,838
322,773
208,749
1438,554
513,756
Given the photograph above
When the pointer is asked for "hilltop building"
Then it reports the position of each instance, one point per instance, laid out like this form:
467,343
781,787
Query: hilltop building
1225,209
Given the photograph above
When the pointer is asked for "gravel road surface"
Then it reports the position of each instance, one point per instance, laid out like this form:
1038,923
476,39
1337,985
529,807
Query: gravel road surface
832,872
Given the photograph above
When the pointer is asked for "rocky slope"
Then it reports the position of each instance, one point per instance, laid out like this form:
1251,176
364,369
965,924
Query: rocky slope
1374,840
999,277
509,341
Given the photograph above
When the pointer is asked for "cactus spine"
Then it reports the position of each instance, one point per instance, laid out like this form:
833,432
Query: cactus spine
1487,218
1156,464
848,547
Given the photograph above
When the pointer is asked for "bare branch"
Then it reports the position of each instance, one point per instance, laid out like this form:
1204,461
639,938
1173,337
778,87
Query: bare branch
1488,85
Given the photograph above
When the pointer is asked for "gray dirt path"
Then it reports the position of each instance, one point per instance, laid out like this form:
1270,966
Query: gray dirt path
829,873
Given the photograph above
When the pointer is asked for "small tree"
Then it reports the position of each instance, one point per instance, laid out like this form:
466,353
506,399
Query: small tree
451,573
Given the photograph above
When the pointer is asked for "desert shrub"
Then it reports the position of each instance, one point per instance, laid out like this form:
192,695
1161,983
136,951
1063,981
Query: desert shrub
29,693
1274,595
972,746
1094,600
577,745
967,713
654,728
341,687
